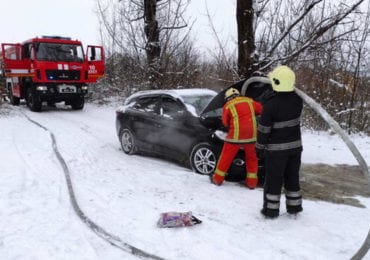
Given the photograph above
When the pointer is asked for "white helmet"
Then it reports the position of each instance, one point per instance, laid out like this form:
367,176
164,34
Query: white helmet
231,92
282,79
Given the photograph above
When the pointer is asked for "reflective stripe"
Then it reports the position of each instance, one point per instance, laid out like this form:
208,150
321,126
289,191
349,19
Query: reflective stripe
273,197
251,109
19,71
264,129
293,194
251,175
241,141
288,123
260,146
270,205
294,202
235,101
236,122
284,146
221,173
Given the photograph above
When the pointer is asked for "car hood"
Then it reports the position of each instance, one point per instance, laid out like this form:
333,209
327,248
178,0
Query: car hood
257,88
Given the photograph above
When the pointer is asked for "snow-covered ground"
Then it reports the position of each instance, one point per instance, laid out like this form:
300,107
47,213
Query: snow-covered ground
124,195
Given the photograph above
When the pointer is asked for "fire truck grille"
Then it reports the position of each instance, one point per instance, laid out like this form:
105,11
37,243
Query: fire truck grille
63,74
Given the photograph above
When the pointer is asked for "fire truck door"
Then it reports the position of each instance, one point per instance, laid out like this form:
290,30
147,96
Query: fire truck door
95,59
14,63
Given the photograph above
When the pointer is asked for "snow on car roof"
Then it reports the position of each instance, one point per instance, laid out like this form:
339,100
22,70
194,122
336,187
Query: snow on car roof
177,93
185,95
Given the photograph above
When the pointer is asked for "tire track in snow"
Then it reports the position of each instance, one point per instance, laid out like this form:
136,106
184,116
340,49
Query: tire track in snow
110,238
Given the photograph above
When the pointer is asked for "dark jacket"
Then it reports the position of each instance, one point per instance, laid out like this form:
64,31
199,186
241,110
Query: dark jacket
279,125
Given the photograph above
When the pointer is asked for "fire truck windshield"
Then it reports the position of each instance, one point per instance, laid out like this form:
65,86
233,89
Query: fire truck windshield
59,52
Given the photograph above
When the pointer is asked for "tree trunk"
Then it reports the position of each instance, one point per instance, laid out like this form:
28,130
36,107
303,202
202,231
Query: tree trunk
246,44
152,48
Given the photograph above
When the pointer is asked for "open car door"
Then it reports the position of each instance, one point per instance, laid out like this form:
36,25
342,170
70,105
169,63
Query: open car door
95,59
257,88
13,63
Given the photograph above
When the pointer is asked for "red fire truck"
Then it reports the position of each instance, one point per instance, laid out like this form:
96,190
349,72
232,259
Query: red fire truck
50,69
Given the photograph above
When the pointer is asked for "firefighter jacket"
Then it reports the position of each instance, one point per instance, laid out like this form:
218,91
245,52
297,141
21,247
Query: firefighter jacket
279,125
239,116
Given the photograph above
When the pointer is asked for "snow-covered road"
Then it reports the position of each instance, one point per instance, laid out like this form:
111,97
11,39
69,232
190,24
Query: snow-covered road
125,195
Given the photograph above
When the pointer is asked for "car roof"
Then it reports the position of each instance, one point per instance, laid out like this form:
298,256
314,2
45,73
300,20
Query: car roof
176,93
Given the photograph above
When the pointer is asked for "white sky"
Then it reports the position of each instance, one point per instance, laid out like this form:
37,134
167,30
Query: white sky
222,13
23,20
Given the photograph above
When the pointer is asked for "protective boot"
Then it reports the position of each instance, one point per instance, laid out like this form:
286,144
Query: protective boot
270,213
252,180
271,205
217,179
293,201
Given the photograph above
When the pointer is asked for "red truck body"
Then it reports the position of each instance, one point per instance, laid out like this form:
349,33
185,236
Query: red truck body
50,69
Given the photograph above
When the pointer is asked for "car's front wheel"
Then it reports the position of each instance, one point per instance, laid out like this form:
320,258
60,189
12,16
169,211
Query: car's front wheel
127,141
203,159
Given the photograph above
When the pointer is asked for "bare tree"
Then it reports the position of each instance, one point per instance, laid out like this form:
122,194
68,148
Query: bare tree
152,48
358,105
285,29
149,31
246,45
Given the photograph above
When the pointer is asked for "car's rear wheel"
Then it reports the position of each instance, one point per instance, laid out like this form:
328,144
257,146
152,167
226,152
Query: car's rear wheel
203,159
127,141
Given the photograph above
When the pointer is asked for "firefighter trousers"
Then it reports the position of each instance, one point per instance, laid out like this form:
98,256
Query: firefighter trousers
229,151
282,168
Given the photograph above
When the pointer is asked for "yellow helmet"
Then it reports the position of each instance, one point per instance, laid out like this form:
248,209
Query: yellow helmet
282,79
231,92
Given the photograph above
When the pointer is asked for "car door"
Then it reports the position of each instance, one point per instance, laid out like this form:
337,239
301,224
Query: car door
15,65
95,59
174,133
144,117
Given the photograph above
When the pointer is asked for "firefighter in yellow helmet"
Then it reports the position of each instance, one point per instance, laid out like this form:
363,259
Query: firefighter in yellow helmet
239,116
279,144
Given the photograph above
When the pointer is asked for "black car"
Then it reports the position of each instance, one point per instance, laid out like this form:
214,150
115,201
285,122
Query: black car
179,124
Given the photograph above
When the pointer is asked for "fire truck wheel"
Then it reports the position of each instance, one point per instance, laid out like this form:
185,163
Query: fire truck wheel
13,100
78,104
33,103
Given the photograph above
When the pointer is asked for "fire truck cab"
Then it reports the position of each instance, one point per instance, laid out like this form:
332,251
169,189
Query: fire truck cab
50,69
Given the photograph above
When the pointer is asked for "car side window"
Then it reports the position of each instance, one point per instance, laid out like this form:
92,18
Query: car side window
171,108
147,104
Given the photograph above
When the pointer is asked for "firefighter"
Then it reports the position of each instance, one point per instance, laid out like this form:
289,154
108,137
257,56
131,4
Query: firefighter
279,144
239,116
